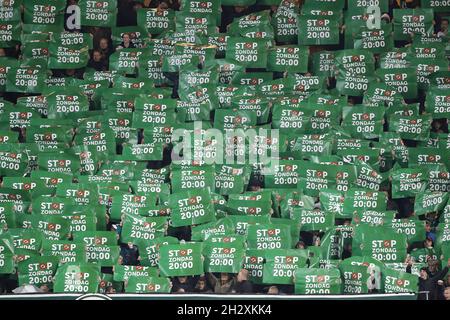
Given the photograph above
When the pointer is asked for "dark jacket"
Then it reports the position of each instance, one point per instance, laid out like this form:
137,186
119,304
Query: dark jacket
430,284
187,286
243,287
130,255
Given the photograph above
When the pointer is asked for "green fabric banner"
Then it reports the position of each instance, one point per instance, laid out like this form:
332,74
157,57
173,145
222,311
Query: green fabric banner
37,271
98,13
280,265
318,30
381,243
399,281
224,257
181,259
143,284
249,52
412,21
288,58
124,272
408,182
191,207
137,228
66,251
268,236
314,281
77,278
7,264
26,80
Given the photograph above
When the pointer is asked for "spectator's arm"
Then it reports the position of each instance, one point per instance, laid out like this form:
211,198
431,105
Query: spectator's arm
212,279
408,268
440,275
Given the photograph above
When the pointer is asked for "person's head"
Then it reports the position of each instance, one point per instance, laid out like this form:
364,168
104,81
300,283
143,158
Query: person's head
423,273
70,72
386,18
437,125
300,245
130,245
317,241
273,290
447,293
444,25
96,56
428,242
239,9
242,275
428,226
182,279
2,52
126,38
224,277
110,289
103,43
44,288
201,283
163,6
433,265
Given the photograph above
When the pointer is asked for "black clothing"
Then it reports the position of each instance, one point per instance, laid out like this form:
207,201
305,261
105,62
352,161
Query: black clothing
245,287
98,66
430,285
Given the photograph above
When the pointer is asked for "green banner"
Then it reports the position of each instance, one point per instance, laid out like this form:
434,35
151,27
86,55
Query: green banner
7,264
402,79
66,251
143,284
411,127
408,182
77,278
437,103
314,281
124,272
224,257
359,200
254,263
427,201
37,271
280,265
363,122
414,229
44,13
191,207
288,58
98,13
268,236
381,243
399,281
359,279
249,52
181,260
26,80
137,228
312,219
318,30
412,21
